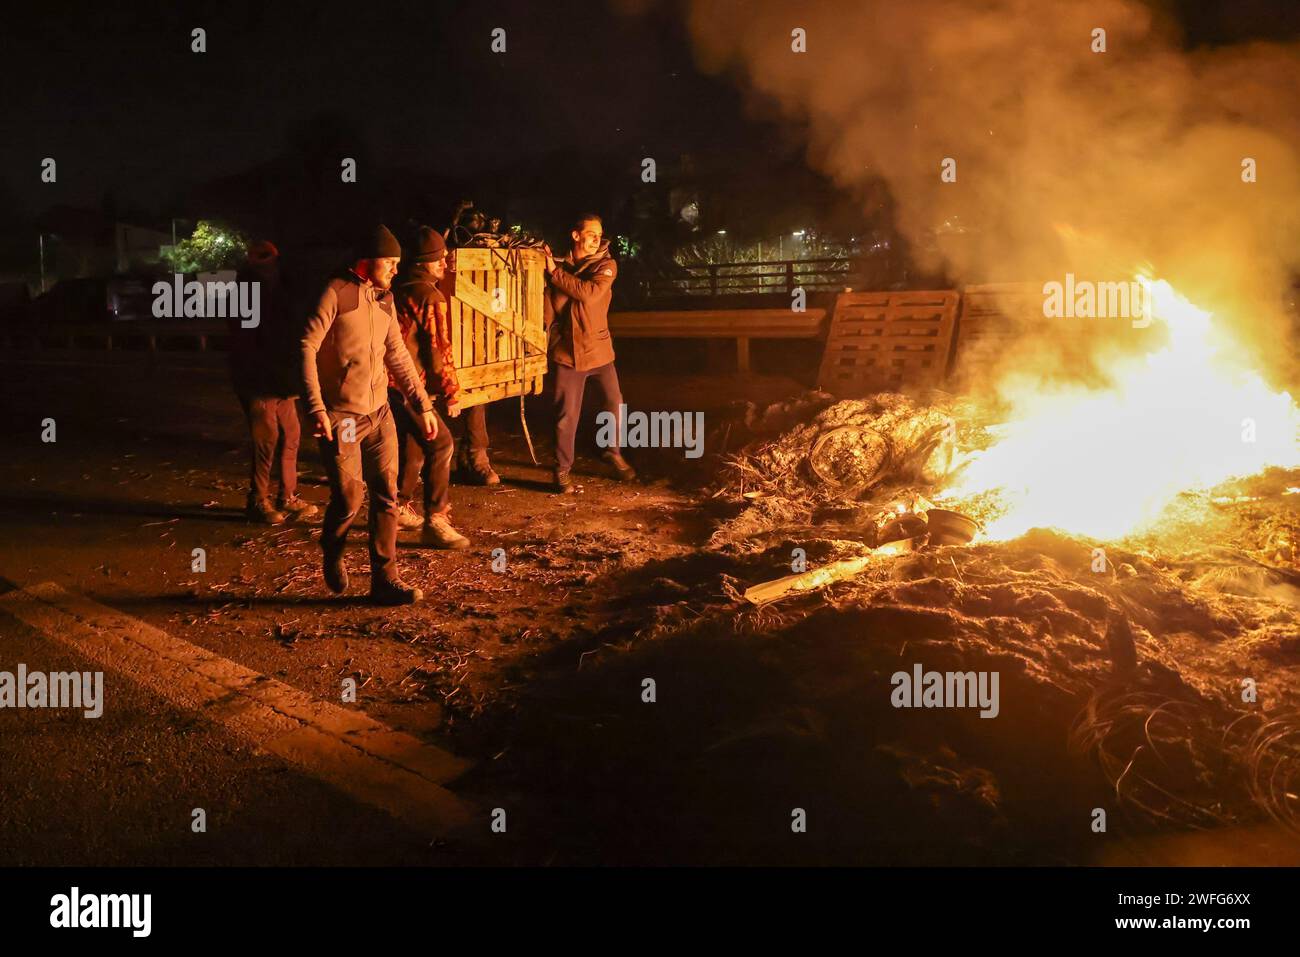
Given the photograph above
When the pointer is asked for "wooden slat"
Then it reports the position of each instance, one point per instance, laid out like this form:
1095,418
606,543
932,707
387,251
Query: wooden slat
457,331
501,390
534,305
488,259
510,369
887,341
484,281
476,331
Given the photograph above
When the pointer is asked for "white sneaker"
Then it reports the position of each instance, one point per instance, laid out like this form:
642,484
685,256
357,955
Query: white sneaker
407,516
439,533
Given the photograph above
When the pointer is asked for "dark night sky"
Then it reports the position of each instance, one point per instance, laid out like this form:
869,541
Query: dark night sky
115,95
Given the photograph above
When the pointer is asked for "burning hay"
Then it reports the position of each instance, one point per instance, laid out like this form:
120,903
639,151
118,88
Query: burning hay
879,451
1132,608
1115,459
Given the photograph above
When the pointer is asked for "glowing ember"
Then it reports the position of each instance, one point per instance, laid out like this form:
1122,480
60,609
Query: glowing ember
1106,463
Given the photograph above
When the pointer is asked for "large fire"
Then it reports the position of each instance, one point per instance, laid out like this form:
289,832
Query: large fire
1107,462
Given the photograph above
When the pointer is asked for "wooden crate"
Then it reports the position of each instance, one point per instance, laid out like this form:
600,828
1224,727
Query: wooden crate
888,341
497,339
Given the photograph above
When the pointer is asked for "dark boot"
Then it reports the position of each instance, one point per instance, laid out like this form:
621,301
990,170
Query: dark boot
336,576
622,471
259,510
480,470
563,484
384,592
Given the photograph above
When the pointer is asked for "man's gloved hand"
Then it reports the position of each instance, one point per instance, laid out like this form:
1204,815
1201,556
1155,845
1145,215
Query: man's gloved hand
321,427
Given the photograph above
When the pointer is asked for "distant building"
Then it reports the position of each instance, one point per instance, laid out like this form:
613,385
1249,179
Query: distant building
82,243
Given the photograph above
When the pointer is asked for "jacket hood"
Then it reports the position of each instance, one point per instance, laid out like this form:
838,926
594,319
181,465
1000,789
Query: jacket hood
419,272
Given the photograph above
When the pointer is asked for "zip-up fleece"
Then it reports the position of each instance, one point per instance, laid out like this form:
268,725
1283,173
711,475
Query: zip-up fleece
577,311
351,342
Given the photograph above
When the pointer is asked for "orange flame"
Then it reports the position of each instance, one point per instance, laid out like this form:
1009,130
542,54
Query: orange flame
1106,463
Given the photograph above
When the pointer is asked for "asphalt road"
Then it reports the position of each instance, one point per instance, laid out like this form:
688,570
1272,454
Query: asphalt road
148,464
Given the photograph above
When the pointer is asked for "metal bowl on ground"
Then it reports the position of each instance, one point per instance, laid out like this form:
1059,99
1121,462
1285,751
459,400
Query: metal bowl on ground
907,525
950,528
899,546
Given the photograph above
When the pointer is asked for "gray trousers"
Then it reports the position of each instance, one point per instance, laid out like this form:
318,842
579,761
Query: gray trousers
369,461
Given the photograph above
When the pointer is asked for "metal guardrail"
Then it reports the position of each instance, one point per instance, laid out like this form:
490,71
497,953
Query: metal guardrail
198,335
151,335
741,325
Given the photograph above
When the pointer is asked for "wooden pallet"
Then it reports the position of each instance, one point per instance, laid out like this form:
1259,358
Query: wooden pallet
994,316
888,341
497,339
1002,325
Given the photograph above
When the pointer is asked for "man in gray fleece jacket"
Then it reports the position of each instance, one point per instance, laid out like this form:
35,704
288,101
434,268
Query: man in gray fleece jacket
350,344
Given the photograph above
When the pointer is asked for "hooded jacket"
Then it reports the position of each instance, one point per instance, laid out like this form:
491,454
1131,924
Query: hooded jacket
577,310
264,358
426,331
351,343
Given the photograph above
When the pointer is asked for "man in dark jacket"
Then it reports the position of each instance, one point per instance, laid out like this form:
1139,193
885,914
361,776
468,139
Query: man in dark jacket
579,291
425,324
264,371
349,346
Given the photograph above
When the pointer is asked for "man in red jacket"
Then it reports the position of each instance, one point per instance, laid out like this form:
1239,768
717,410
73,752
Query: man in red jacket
425,325
579,291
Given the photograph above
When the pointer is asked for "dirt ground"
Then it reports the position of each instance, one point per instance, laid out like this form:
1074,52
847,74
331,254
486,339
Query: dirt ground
536,672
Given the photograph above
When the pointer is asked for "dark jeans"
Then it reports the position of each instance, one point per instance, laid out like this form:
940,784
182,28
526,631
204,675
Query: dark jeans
370,461
569,386
472,438
273,423
474,429
420,459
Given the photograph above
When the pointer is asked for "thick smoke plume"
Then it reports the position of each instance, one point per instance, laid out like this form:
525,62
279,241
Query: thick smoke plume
1097,163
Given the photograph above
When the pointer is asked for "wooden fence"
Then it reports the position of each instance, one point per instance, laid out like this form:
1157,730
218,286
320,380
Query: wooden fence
775,277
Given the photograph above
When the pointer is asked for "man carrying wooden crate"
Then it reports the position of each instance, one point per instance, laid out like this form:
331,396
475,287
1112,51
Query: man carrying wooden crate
422,316
579,344
349,345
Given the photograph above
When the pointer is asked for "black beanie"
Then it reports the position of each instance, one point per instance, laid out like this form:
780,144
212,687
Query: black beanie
429,245
379,243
